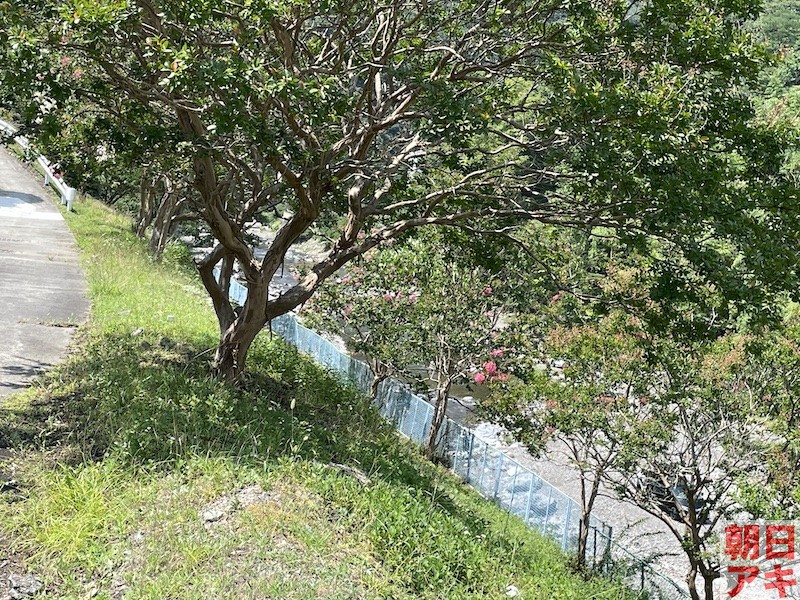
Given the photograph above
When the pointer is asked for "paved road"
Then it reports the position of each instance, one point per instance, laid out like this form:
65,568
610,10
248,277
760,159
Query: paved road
42,288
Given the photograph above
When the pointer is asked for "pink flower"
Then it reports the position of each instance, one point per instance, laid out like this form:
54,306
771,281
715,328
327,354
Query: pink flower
501,377
64,61
413,297
348,309
556,297
487,291
490,367
346,279
496,353
388,297
479,378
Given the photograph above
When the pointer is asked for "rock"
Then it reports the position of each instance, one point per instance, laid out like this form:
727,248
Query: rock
137,538
224,506
360,476
253,494
136,332
8,485
512,591
24,585
215,512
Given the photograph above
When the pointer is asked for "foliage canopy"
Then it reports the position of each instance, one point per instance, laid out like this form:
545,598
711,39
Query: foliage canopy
384,117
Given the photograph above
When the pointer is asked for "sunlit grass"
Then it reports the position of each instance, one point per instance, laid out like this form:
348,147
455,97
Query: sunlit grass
124,445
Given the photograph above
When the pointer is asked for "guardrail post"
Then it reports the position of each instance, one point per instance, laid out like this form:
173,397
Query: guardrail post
513,489
547,509
410,434
69,196
566,525
530,498
497,476
483,465
471,439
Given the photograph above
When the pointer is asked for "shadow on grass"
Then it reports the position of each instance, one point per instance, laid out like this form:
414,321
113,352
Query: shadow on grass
148,401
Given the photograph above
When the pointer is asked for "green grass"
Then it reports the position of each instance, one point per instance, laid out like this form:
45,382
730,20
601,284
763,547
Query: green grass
123,447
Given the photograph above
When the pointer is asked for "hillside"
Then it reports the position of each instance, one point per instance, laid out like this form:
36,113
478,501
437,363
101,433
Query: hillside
135,475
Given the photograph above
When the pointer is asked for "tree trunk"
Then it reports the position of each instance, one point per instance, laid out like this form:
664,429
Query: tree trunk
164,224
691,580
231,354
379,374
709,586
587,505
439,411
373,388
583,539
709,574
226,274
146,195
238,335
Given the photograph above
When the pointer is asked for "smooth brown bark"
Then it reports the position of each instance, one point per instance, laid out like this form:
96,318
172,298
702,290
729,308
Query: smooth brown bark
236,339
231,354
373,387
164,222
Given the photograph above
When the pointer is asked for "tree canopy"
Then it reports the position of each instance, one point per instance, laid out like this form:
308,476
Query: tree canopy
377,118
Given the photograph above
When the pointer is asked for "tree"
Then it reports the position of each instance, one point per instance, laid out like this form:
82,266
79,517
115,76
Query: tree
384,117
714,440
585,406
420,315
778,100
780,23
671,426
770,369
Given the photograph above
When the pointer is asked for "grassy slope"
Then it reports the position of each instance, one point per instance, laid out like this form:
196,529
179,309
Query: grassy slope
123,446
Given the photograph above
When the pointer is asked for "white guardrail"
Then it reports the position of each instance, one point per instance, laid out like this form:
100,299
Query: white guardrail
66,192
